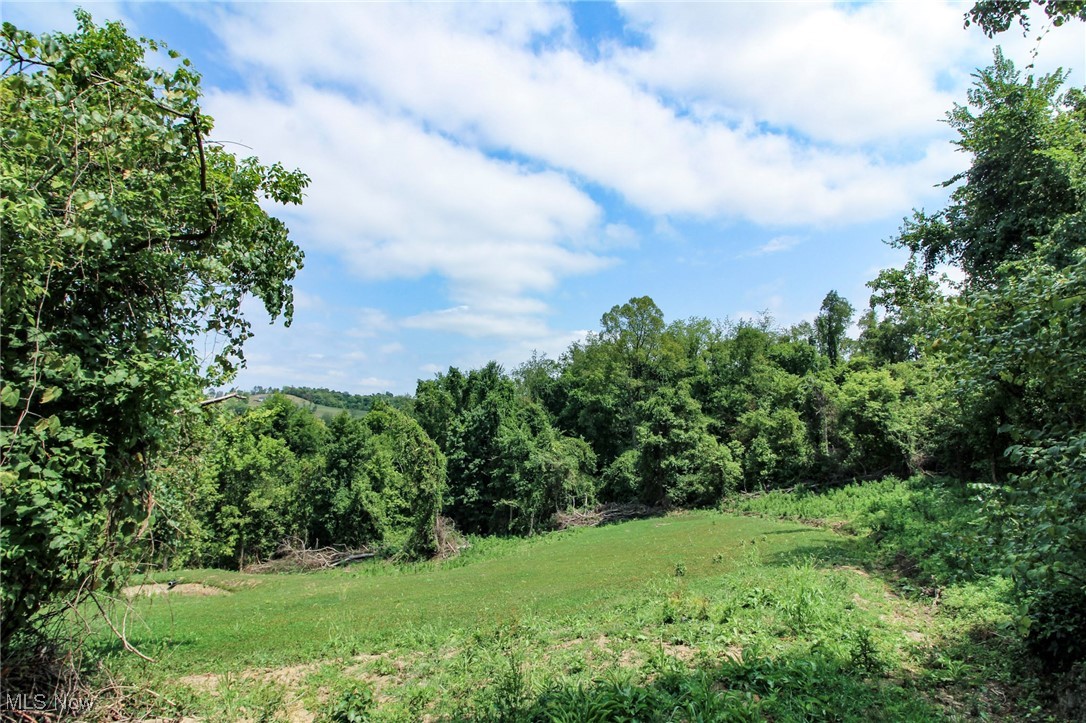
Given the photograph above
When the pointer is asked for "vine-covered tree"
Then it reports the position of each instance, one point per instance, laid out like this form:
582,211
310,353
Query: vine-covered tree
127,235
831,324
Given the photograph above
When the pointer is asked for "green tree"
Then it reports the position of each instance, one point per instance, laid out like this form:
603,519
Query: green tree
831,324
412,482
127,237
681,462
996,16
634,329
898,321
1019,133
1014,339
251,509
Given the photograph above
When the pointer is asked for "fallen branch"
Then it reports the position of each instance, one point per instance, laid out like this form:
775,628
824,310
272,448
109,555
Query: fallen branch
294,556
216,400
603,514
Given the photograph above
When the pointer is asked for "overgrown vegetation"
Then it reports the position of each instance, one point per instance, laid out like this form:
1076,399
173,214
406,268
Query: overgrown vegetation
127,236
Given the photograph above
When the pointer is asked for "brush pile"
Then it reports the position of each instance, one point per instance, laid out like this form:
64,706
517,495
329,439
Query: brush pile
603,514
294,556
447,539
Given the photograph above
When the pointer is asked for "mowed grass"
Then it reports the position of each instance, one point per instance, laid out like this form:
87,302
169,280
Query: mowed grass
268,620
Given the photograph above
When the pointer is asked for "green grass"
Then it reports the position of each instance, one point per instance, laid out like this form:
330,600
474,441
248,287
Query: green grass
699,616
281,619
319,410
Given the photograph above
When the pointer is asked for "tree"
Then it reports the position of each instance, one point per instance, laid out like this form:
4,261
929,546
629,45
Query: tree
409,473
635,327
831,324
128,236
1019,133
906,297
256,478
681,462
995,16
1014,339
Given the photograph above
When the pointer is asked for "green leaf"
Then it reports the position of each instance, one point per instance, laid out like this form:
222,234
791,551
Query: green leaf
9,396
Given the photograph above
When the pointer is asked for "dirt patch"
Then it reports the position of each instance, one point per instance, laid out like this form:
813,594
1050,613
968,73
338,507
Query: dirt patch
631,658
161,588
287,676
684,653
206,682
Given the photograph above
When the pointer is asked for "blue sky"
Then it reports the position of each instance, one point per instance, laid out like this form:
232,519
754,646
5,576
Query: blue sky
489,179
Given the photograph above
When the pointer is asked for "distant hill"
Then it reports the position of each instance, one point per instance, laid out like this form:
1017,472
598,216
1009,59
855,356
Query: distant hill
351,402
324,403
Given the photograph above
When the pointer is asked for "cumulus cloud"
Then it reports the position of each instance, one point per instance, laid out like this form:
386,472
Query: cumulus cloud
841,74
394,200
611,122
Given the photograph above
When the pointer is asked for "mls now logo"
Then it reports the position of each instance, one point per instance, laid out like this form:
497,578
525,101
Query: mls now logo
43,703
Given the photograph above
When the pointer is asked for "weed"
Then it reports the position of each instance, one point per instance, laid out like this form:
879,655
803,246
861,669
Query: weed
513,691
864,653
352,705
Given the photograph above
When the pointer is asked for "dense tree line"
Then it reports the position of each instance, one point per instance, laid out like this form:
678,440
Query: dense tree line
277,472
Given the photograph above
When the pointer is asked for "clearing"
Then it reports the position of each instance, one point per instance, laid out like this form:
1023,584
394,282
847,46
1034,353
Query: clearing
694,616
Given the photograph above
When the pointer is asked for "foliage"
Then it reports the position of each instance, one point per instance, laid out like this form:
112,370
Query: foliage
1020,182
900,332
277,473
995,16
681,463
1014,339
509,469
352,705
1042,512
834,318
128,236
409,475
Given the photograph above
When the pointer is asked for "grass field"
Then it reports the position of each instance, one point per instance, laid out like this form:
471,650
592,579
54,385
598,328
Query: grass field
697,616
319,410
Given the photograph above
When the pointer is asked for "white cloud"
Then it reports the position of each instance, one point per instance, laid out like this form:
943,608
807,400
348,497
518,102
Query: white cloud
366,323
474,323
775,245
307,301
596,120
836,73
396,201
